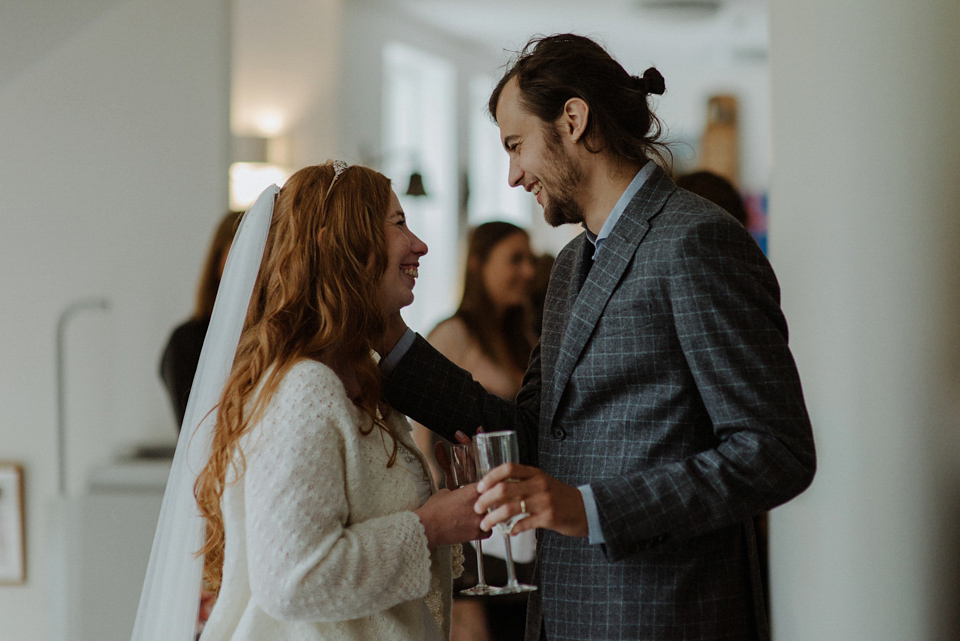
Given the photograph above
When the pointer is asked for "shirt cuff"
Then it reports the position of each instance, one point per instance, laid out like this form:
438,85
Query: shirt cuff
593,517
399,351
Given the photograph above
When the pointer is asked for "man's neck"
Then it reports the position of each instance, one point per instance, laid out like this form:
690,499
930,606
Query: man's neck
606,183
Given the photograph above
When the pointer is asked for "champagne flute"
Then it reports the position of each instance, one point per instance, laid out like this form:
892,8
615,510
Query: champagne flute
493,449
464,467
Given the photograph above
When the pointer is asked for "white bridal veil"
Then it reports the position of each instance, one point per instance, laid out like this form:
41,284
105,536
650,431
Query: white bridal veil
170,599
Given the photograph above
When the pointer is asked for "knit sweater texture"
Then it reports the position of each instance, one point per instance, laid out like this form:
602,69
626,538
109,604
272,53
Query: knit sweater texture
321,539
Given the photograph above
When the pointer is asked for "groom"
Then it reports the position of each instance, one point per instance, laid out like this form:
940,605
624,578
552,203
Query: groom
662,409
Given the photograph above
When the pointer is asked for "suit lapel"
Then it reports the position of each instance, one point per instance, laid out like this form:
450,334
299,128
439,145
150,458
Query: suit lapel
611,261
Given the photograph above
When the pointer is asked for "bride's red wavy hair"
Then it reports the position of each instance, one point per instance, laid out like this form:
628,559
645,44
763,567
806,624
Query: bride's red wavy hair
317,289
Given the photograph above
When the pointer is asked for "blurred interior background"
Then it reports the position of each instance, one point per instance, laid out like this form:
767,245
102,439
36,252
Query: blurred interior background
128,127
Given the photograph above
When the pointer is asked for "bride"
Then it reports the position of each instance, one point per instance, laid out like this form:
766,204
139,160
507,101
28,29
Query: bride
318,518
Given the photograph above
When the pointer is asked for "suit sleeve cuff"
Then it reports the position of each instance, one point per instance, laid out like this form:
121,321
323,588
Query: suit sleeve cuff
398,352
593,517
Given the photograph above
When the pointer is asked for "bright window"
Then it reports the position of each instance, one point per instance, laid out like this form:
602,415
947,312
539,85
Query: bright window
491,198
420,135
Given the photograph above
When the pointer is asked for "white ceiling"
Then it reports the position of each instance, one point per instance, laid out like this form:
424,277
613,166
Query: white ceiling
685,31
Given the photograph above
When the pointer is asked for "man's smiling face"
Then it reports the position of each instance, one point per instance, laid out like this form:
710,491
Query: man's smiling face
539,161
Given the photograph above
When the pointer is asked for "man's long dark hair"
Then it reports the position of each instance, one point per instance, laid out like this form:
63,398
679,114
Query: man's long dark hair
553,69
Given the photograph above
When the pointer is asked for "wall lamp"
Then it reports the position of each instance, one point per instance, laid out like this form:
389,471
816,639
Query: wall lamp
251,172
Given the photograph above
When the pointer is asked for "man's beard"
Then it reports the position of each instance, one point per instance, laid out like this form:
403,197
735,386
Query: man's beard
561,207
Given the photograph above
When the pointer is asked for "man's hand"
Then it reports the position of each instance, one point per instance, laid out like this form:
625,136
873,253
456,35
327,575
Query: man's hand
551,505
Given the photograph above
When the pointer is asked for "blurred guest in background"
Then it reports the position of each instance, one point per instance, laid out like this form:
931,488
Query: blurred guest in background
182,353
491,336
717,190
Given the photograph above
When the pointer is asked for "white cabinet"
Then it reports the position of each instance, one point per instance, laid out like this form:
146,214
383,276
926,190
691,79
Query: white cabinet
99,551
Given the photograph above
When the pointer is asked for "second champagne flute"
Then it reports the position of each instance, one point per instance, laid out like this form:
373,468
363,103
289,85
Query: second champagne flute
493,449
464,467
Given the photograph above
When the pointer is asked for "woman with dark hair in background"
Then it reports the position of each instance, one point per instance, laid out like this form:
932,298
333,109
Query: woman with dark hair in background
491,329
491,336
182,353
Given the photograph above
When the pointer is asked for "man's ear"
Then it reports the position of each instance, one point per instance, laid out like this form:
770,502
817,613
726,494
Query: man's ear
572,122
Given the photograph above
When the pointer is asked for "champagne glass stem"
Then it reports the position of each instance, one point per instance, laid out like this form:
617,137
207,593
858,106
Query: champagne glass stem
480,580
511,571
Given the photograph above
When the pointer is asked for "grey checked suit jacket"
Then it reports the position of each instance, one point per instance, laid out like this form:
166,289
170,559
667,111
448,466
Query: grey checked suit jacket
666,383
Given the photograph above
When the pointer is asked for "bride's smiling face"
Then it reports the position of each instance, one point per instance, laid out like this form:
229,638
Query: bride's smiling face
404,250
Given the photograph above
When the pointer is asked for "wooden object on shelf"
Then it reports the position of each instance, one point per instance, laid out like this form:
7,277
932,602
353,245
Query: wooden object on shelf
720,147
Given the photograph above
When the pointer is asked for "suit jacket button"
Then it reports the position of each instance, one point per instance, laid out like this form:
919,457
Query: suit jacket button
559,433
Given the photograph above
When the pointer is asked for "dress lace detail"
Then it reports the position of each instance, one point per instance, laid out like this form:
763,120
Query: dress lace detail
414,461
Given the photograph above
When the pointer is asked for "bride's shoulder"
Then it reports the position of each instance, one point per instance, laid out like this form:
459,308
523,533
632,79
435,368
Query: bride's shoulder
310,379
307,414
309,398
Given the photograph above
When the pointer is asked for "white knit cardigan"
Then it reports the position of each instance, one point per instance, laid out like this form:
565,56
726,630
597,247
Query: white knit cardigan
321,542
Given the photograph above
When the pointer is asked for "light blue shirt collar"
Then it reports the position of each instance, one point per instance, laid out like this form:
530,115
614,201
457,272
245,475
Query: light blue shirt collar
620,207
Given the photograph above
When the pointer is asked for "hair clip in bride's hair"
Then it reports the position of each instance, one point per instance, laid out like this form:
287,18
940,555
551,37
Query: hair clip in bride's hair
338,168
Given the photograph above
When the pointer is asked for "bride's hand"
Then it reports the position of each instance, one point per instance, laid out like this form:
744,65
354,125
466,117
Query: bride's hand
448,517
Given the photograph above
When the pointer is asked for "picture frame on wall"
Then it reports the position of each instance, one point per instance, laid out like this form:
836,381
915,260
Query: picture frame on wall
13,560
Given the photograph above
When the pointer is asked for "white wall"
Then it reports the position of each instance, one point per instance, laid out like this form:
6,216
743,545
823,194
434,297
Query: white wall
114,135
865,237
286,64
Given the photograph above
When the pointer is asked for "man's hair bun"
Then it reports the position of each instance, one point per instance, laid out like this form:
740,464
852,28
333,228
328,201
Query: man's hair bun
653,82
